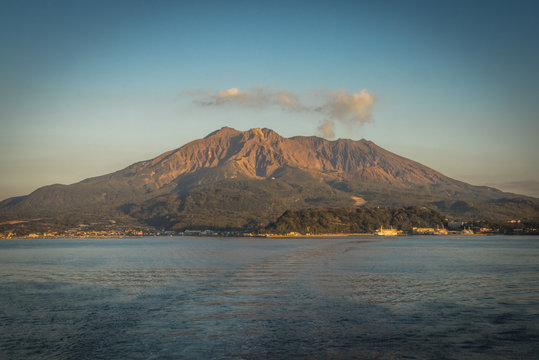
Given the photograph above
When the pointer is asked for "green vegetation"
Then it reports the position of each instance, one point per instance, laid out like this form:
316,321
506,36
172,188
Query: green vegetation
460,201
353,220
232,204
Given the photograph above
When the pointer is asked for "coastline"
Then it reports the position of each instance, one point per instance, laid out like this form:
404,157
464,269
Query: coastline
363,235
311,235
236,234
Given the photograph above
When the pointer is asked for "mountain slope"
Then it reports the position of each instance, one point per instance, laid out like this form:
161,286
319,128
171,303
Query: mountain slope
234,179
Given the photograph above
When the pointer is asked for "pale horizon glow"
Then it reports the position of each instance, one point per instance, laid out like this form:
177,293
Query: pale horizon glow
88,88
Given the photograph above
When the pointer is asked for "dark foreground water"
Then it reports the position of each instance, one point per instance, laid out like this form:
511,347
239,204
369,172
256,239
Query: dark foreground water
213,298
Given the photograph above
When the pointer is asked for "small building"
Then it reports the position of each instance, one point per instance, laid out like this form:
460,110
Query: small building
441,231
386,232
422,231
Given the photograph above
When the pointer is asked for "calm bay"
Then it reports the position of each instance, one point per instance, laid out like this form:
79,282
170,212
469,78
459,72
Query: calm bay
422,297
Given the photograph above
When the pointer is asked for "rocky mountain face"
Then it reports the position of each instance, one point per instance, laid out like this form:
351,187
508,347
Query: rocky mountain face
235,179
259,153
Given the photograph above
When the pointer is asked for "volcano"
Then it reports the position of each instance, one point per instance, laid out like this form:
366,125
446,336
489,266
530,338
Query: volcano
235,179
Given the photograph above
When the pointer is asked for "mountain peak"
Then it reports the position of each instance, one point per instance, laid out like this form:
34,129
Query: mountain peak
259,152
224,131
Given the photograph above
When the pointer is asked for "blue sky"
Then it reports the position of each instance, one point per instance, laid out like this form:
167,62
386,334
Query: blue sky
89,87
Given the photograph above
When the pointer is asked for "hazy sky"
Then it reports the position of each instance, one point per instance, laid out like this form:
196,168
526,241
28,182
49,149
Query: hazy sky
89,87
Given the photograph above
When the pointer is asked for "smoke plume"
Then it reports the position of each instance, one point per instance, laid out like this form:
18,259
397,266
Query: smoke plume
326,129
351,108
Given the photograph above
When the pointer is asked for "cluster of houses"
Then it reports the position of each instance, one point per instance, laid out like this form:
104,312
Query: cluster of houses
85,231
453,228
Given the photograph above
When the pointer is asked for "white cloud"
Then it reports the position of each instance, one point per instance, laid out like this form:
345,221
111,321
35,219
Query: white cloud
255,97
335,105
231,93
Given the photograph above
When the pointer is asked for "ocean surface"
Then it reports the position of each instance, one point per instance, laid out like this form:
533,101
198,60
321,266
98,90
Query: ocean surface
239,298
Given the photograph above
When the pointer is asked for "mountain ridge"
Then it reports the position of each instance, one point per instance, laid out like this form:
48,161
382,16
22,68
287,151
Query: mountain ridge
277,173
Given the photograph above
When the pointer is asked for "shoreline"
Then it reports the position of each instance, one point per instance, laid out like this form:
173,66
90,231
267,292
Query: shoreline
362,235
248,235
311,235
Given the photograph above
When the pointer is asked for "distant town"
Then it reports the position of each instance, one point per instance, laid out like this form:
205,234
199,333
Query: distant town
108,229
111,230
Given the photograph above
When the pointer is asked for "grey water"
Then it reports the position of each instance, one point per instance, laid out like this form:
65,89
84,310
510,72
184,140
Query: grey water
239,298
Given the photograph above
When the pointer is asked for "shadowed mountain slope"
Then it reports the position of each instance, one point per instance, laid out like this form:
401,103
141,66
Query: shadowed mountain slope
235,179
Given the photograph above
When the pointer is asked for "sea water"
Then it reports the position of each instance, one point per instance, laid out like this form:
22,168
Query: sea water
241,298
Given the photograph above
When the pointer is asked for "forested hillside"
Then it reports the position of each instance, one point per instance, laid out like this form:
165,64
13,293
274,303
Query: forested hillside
354,220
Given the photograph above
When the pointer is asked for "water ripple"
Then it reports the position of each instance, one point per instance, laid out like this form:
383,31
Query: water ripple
408,298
